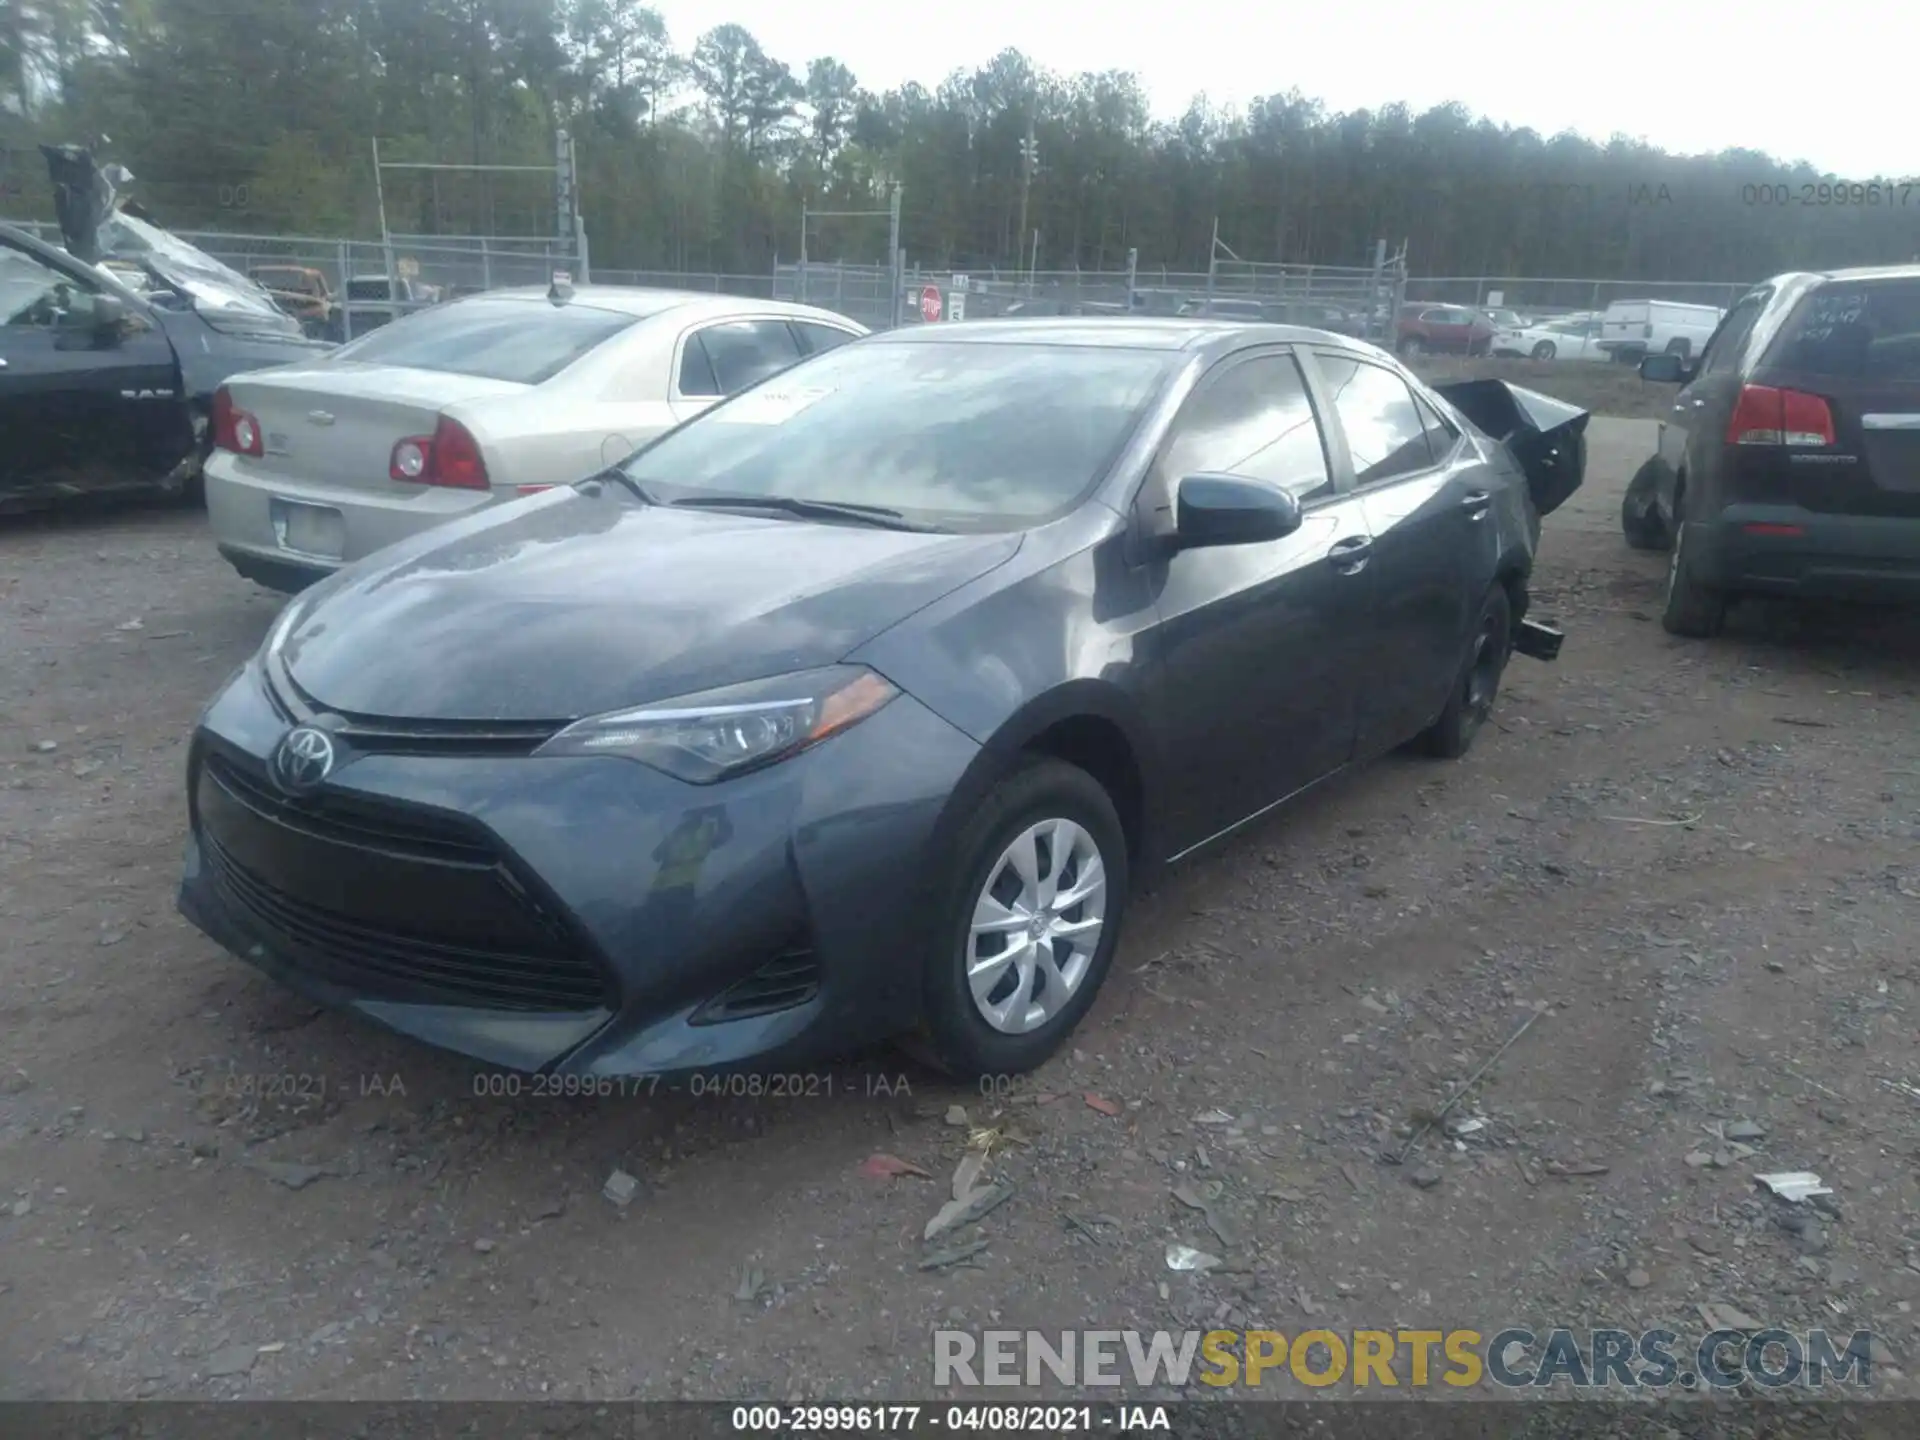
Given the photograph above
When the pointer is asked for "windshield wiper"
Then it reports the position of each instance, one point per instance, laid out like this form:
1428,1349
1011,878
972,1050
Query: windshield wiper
631,485
878,516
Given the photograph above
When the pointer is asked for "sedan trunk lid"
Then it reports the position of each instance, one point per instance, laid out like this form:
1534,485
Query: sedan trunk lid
1545,436
334,424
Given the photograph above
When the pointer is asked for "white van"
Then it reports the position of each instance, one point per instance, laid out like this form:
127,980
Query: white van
1632,328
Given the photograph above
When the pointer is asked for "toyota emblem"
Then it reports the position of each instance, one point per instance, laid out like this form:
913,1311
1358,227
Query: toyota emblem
303,760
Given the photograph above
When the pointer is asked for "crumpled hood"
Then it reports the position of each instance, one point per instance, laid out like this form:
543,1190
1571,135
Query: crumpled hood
576,603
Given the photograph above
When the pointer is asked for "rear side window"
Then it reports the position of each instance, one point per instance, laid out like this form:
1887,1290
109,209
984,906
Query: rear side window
1384,431
1726,343
522,341
816,339
735,355
1859,331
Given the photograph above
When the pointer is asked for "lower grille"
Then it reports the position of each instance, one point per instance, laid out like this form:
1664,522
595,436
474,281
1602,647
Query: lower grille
394,965
390,901
790,979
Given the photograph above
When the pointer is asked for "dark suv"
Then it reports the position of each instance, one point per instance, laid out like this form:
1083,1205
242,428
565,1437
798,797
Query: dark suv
1790,462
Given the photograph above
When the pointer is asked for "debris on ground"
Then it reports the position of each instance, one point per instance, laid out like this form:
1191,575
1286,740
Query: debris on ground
752,1282
1102,1104
968,1174
1427,1122
1794,1185
891,1167
957,1255
283,1172
974,1206
1186,1257
957,1116
621,1188
1426,1177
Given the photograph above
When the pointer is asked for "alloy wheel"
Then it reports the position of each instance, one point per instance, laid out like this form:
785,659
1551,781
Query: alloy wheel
1036,924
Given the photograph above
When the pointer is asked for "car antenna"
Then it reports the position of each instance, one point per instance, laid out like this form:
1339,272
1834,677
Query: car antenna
561,290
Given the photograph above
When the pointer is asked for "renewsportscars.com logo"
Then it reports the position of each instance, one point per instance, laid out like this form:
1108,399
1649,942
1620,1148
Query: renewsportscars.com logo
1514,1358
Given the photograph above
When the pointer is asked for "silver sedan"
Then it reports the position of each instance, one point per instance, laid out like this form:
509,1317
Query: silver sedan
468,404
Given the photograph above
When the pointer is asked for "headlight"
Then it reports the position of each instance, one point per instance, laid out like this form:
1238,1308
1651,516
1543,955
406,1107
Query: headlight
717,733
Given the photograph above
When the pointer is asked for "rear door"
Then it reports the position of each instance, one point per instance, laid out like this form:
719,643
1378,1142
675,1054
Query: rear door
1693,437
1257,680
82,407
1432,543
1856,345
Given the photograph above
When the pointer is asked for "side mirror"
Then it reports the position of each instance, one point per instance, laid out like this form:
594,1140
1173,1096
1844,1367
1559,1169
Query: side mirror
1232,510
1666,369
109,314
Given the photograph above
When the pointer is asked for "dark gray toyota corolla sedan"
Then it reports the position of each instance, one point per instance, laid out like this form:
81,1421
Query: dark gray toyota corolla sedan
862,704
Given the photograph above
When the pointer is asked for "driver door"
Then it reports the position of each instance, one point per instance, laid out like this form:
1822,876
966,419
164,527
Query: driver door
85,406
1257,687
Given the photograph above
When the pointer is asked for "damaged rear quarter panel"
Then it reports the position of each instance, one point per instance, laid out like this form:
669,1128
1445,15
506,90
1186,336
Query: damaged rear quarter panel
1546,437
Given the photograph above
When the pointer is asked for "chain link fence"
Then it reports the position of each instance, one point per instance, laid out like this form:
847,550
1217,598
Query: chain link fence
1543,298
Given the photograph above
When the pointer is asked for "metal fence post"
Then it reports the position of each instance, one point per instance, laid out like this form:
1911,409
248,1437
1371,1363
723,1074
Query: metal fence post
1133,273
1376,292
346,292
486,264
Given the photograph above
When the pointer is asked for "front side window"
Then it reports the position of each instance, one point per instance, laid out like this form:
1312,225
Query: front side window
1384,433
1253,418
957,435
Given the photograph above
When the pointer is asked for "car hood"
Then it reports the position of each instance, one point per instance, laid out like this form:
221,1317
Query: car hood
579,602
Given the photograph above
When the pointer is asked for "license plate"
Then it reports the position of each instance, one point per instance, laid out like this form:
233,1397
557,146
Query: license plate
317,530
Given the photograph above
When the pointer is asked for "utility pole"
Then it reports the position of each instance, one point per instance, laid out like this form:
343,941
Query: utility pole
1029,162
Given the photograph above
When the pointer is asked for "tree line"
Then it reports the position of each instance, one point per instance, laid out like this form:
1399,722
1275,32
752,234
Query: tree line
701,155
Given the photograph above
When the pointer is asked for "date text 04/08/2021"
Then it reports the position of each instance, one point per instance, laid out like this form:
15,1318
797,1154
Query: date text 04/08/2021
889,1420
717,1085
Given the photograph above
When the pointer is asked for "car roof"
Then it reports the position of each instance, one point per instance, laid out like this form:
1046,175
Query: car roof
644,302
1137,333
1860,272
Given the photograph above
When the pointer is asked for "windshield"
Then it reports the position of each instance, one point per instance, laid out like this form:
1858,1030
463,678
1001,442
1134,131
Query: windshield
955,435
525,341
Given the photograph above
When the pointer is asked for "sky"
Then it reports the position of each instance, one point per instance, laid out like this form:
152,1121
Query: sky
1688,77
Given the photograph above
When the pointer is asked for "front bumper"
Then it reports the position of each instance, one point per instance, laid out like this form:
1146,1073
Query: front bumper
1788,551
674,895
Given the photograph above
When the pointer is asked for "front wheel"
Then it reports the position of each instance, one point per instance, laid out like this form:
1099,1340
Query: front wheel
1544,350
1485,661
1029,923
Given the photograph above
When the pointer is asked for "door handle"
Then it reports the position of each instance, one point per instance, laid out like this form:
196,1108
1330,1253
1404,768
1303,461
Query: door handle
1476,504
1349,556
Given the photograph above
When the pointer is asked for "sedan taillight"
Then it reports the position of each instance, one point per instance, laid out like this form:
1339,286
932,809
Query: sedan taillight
450,457
235,429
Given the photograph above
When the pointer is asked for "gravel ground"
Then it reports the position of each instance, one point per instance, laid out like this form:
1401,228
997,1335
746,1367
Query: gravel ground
1692,866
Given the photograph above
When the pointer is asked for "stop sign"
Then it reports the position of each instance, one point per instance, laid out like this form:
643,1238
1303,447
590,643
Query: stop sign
930,304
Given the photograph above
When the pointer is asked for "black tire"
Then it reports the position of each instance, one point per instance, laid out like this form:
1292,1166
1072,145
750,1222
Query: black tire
1693,610
1680,346
957,1037
1544,350
1478,681
1640,519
